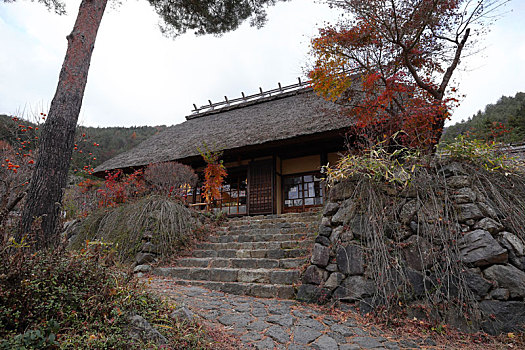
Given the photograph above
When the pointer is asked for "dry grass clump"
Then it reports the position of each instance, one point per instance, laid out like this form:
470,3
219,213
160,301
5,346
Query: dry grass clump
170,222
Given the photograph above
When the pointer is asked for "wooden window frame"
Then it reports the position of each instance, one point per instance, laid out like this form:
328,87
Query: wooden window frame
304,207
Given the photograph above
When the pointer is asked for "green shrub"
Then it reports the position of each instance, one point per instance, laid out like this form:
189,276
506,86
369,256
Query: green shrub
489,155
74,300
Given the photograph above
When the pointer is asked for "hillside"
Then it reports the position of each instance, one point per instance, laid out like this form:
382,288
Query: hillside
509,111
103,143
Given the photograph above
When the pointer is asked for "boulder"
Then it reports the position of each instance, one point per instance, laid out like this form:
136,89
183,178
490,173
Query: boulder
320,254
416,281
325,230
331,268
350,260
458,181
515,247
432,212
330,208
488,210
341,191
313,294
354,288
464,195
468,211
509,277
502,316
512,243
344,213
476,283
336,233
325,221
322,240
314,275
359,225
500,294
144,258
479,248
418,253
452,169
408,211
182,314
139,328
490,225
334,280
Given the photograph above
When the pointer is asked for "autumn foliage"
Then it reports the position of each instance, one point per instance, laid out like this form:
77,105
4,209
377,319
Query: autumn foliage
214,174
391,64
18,153
16,163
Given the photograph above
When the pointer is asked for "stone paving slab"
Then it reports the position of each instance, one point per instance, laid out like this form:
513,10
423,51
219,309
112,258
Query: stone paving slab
278,324
251,237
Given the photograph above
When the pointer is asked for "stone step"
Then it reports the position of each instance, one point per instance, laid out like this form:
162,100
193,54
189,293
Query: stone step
245,225
247,263
265,276
258,256
266,231
259,290
286,216
251,253
249,237
255,245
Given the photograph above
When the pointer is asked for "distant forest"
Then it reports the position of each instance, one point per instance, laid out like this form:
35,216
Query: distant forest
503,121
102,143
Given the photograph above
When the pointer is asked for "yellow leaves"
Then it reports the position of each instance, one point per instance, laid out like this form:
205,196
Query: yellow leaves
163,326
377,164
510,335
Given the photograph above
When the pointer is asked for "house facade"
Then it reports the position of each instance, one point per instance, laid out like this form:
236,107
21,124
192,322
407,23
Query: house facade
274,145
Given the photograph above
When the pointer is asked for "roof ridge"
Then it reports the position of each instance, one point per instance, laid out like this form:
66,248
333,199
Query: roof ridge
262,96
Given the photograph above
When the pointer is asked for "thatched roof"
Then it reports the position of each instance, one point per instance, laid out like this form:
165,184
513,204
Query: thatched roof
269,119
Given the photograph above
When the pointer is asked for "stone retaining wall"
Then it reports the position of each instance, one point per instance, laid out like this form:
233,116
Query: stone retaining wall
491,255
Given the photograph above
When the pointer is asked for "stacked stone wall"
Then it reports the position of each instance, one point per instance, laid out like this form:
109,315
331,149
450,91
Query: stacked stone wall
491,252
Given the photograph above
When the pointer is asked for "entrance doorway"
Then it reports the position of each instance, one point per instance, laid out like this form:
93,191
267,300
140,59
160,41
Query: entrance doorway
260,187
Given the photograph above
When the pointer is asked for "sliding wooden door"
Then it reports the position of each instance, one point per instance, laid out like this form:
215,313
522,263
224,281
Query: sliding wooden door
261,187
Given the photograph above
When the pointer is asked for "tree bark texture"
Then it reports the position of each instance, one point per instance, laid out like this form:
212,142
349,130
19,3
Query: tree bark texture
49,179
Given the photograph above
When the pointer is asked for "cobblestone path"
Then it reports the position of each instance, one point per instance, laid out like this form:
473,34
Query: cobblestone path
281,324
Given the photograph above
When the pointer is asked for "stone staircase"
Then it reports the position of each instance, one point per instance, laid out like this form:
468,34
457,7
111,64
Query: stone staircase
257,256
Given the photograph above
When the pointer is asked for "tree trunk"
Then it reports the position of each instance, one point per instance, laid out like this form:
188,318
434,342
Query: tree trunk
49,178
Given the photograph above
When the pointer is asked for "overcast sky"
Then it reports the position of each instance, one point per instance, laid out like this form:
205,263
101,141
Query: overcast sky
139,77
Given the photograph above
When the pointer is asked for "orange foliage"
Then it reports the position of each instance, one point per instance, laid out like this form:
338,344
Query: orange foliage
391,65
214,174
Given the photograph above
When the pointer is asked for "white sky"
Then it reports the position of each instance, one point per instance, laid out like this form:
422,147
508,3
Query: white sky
139,77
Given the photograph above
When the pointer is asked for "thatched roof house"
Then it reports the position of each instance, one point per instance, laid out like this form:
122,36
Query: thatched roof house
270,144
